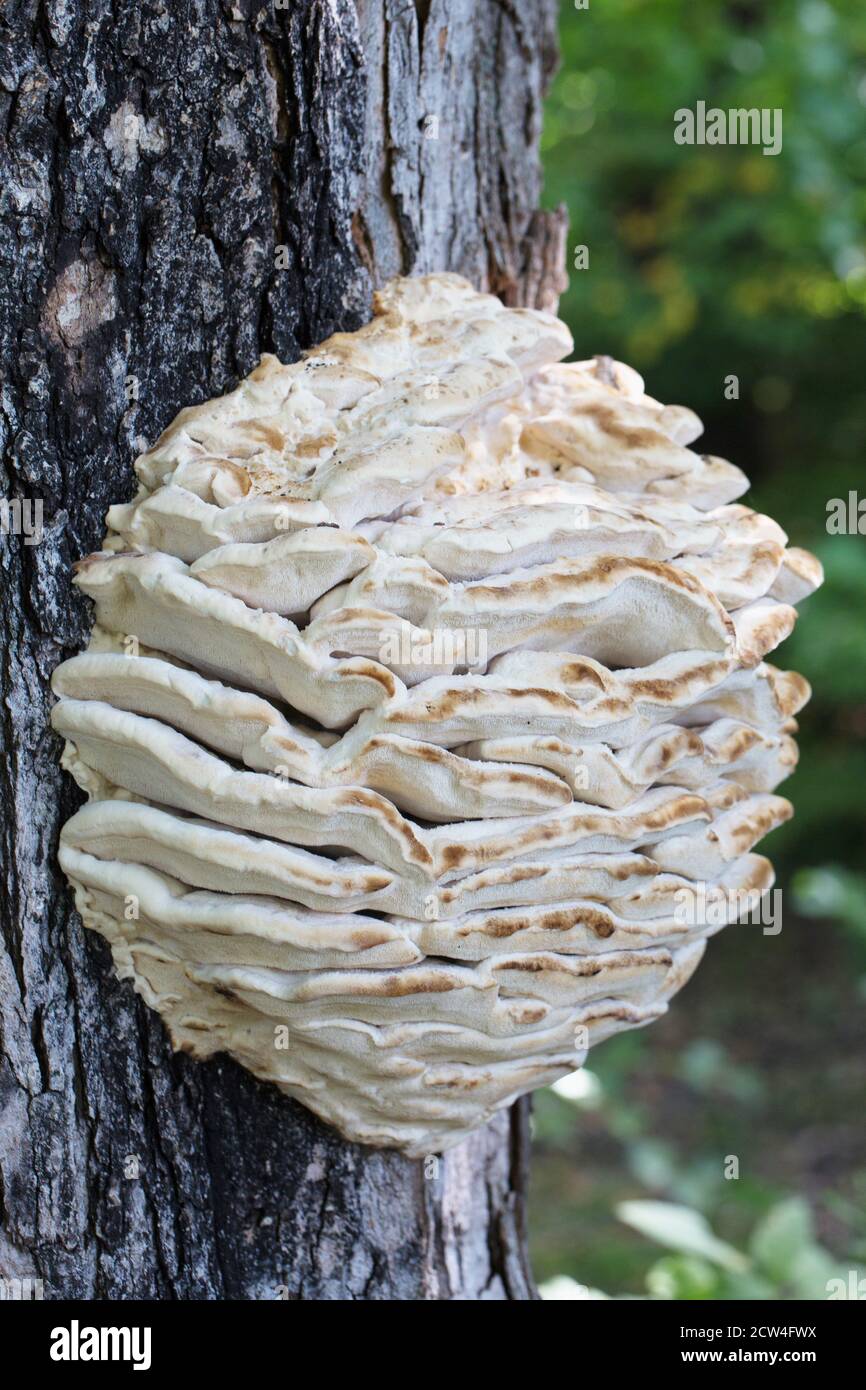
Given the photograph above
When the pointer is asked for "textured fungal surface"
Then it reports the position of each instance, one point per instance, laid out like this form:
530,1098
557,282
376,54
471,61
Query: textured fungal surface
426,726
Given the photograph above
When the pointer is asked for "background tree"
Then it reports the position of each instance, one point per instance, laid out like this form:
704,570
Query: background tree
186,186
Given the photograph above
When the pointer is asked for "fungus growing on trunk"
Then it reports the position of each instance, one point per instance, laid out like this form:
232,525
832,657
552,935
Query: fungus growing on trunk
447,705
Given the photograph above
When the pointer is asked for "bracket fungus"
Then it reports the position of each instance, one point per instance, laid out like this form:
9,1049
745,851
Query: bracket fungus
447,688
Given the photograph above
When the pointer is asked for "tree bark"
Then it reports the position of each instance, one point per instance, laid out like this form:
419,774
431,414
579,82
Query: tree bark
186,185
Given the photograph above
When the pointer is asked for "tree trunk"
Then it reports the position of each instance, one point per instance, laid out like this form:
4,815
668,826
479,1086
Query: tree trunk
188,184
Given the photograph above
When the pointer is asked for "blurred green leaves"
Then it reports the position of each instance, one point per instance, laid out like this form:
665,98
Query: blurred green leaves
712,261
706,262
723,245
784,1259
681,1229
833,891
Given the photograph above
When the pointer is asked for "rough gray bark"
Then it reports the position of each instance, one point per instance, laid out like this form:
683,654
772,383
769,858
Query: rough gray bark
156,157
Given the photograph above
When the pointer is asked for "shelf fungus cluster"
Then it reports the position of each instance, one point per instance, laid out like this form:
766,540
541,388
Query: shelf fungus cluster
427,687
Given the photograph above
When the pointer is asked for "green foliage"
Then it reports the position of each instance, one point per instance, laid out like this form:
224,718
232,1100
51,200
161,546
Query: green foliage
707,262
740,253
832,891
712,261
681,1229
784,1260
743,1107
778,1255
